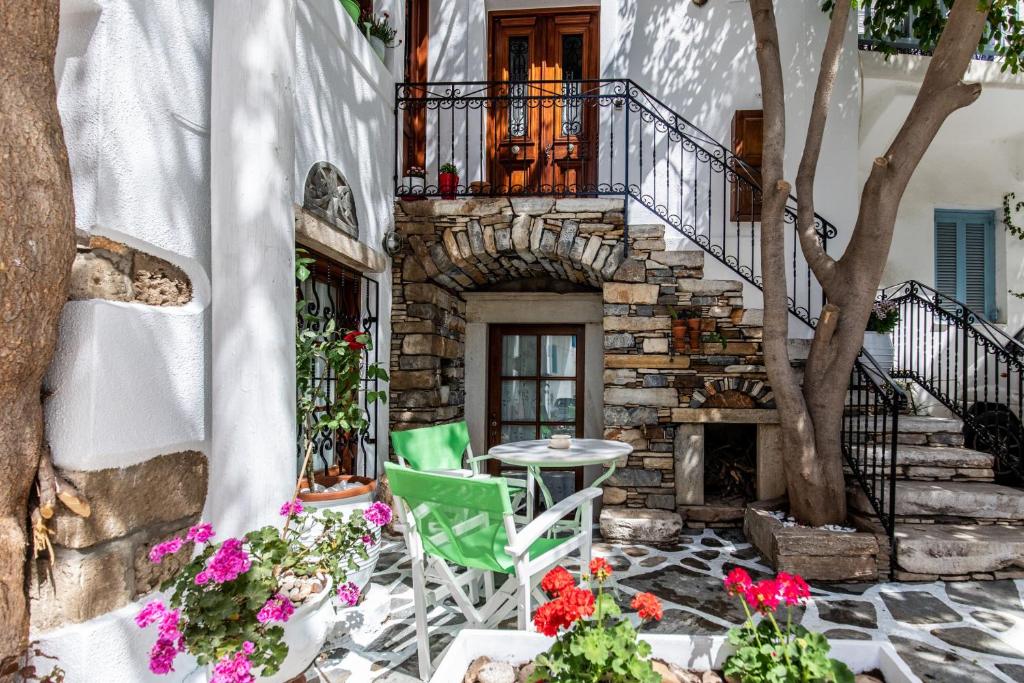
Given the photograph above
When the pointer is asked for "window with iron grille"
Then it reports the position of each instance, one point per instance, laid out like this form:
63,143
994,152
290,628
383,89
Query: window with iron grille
334,292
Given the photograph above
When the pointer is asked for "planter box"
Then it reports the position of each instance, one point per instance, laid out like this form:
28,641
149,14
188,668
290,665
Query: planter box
693,652
812,553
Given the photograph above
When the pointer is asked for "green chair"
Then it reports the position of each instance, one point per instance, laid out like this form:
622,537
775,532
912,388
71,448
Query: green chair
441,448
454,521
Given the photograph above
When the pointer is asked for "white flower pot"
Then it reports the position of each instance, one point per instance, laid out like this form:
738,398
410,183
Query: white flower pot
363,572
304,633
881,349
379,47
701,653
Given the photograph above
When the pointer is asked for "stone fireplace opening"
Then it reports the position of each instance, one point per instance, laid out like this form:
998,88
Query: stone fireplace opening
730,464
724,459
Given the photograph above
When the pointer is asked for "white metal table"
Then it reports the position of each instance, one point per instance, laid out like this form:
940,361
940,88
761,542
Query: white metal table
536,455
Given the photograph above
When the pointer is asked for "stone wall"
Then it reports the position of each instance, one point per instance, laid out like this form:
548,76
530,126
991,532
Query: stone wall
105,269
471,244
100,562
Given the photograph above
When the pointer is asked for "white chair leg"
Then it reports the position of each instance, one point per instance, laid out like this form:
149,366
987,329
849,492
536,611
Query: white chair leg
587,533
420,607
523,596
488,585
473,585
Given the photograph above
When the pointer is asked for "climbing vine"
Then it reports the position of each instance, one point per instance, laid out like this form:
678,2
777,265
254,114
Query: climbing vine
1017,231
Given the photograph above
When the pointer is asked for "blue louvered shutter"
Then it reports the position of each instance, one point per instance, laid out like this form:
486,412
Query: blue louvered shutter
965,259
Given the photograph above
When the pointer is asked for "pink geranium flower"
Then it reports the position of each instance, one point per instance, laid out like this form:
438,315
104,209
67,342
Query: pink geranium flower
277,608
378,514
200,533
763,596
737,581
348,593
160,550
235,668
227,564
792,588
291,508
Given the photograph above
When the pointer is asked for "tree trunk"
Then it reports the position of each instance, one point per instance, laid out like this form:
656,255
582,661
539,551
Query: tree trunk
37,246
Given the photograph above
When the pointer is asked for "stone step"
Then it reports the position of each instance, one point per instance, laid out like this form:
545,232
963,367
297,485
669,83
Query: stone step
946,550
914,429
951,500
939,463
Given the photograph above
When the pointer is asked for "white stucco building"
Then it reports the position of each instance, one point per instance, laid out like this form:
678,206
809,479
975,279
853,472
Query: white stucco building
192,127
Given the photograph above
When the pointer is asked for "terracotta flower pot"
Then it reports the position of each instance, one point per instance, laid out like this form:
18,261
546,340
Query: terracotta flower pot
354,494
679,335
448,183
693,327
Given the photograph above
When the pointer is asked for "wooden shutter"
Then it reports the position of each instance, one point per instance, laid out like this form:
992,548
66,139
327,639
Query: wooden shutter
965,258
747,145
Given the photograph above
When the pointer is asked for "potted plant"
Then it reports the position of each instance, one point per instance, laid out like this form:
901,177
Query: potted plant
885,315
448,180
693,324
259,605
714,337
582,638
382,35
413,183
678,329
329,372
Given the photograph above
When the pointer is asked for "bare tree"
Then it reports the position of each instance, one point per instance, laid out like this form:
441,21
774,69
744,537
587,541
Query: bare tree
812,414
37,247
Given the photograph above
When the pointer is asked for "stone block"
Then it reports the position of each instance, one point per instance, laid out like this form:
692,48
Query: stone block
635,477
689,464
413,379
613,496
619,341
93,276
123,500
647,360
658,527
630,417
620,293
706,287
620,396
158,283
149,575
655,345
572,205
949,550
533,206
679,258
619,376
660,501
631,270
637,324
81,585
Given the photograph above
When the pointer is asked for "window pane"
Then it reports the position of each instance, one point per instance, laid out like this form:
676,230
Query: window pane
558,401
518,74
546,431
511,433
572,72
518,400
519,355
558,355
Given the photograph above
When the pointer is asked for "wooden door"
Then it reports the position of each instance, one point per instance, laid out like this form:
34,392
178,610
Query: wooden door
535,384
542,136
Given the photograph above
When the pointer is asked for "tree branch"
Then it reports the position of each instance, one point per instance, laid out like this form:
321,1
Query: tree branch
819,261
942,93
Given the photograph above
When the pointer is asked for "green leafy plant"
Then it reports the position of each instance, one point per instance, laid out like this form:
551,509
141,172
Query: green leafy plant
379,26
594,642
710,337
886,22
771,652
227,605
329,373
682,313
885,315
449,168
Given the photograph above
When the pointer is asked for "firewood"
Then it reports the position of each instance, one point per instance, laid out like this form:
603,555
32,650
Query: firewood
46,480
71,498
40,536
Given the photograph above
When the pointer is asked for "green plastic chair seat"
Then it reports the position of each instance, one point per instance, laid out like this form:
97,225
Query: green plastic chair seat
439,447
461,520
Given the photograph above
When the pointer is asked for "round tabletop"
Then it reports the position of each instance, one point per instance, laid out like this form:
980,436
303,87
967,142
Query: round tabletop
581,452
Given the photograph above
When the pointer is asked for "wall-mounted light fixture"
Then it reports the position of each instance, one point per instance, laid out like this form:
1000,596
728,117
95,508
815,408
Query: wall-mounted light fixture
392,243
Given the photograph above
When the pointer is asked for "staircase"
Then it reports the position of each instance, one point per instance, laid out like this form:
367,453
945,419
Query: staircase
951,520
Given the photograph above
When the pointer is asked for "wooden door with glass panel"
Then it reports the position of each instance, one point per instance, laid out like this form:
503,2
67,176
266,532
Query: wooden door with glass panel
535,384
540,138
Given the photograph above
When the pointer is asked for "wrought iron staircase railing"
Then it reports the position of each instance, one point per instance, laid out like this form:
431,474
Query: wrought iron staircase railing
613,138
966,363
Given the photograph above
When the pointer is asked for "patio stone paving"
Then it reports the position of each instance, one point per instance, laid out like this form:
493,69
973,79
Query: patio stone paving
947,632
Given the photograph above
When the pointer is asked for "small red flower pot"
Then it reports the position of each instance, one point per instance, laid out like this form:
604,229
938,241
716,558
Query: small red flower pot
448,183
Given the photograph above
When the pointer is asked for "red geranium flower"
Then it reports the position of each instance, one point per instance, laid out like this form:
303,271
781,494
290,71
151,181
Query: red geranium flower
352,339
763,596
647,606
600,569
556,581
793,589
737,582
578,603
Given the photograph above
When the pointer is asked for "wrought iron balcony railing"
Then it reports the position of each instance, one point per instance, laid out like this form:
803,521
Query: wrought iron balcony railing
591,139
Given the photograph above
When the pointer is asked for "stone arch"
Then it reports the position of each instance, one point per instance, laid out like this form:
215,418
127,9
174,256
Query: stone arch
481,243
328,195
732,392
